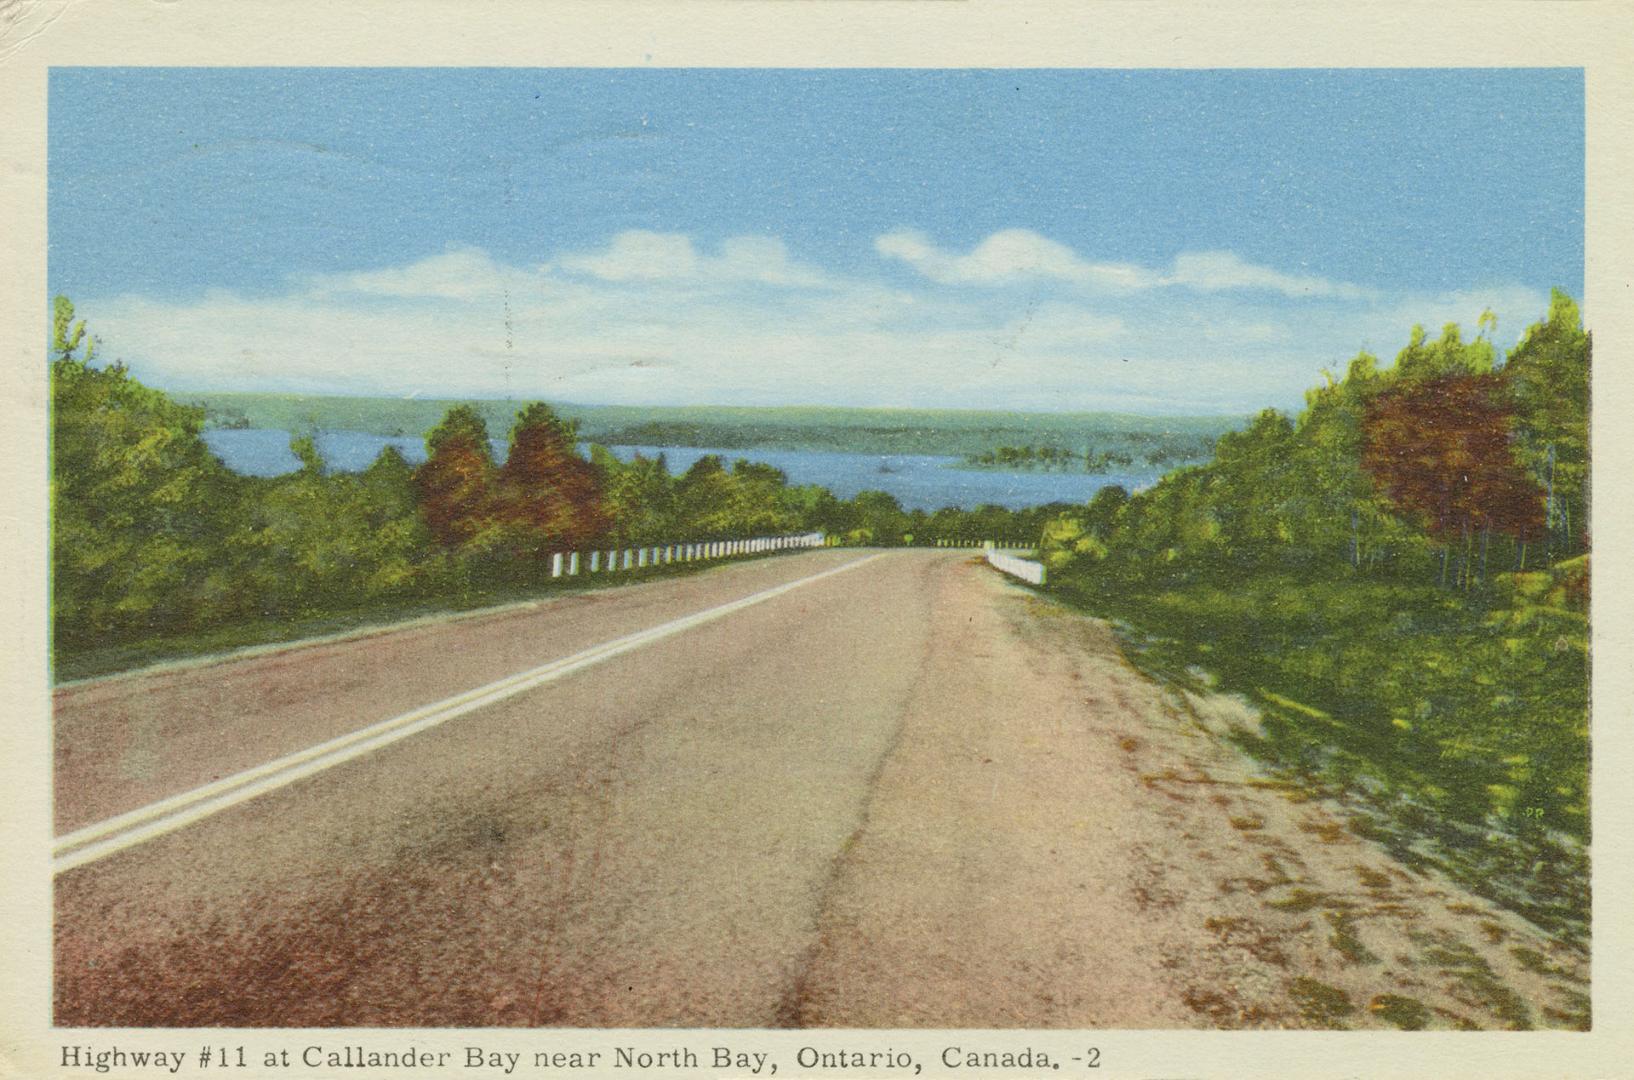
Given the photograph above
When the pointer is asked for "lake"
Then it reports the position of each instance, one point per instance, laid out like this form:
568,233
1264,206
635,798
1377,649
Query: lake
919,481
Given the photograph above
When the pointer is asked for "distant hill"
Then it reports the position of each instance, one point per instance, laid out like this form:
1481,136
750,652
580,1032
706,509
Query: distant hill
868,431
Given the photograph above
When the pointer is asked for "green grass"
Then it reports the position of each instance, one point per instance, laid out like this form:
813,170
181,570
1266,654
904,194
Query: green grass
1475,983
1455,724
1408,1014
1345,940
1319,1003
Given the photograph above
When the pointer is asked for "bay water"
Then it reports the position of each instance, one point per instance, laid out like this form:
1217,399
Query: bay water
918,481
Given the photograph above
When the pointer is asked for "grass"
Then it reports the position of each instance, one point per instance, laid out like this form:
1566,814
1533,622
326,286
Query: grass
1474,983
1454,725
1303,900
1578,1011
1536,962
1373,879
1319,1003
1345,941
1408,1014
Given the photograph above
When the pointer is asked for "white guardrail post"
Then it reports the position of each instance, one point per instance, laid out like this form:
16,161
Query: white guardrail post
568,563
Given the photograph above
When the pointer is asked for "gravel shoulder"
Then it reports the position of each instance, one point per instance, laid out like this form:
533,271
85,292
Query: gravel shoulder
1059,842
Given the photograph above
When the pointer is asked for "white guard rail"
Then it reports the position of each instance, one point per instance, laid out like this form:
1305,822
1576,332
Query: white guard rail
571,563
1024,569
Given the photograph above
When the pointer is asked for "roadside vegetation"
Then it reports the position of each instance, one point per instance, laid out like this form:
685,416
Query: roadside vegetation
1398,578
159,550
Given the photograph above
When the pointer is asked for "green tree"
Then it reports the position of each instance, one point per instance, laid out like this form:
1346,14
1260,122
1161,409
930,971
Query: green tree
703,499
640,497
138,501
1547,377
879,519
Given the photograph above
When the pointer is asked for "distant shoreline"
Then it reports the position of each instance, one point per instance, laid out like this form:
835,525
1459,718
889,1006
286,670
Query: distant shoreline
943,432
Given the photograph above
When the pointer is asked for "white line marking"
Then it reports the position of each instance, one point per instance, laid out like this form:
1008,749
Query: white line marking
167,815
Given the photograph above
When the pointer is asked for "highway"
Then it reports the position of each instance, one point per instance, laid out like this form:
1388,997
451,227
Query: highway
838,788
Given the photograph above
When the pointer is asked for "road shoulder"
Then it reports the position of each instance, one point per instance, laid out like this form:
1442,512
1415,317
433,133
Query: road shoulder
1059,842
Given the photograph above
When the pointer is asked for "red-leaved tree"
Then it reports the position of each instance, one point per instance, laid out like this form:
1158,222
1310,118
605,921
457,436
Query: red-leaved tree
456,480
1441,451
549,497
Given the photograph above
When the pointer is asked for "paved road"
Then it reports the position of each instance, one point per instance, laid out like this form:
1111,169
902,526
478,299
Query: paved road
645,841
906,793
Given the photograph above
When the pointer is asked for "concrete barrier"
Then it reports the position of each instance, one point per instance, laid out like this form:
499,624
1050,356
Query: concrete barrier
1024,569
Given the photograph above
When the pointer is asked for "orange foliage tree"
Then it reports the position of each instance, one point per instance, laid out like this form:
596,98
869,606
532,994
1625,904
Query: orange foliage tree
456,481
1441,450
548,497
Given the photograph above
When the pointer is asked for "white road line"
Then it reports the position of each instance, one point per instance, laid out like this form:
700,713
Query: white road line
167,815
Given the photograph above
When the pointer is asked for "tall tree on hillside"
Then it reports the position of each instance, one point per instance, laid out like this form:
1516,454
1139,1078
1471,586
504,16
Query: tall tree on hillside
456,481
703,499
1448,355
757,503
138,501
1337,511
1547,376
1440,449
639,496
550,498
1251,487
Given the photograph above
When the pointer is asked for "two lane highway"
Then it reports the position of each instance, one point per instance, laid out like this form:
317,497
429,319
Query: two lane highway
645,839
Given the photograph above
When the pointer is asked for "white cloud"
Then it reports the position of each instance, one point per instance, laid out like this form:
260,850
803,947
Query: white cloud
637,256
641,256
1517,307
1021,254
1009,255
1213,271
456,275
655,318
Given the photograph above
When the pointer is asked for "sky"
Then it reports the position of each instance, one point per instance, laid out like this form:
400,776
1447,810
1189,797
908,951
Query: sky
1135,241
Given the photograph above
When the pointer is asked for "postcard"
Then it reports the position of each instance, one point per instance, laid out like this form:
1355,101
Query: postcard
816,540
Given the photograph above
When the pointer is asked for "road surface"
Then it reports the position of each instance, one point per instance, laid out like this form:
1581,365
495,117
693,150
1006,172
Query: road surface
837,788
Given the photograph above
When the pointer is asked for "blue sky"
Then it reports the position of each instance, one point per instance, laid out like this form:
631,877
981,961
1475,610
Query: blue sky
1146,241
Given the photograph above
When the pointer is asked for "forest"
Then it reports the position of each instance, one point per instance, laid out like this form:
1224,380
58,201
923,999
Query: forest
159,550
1397,577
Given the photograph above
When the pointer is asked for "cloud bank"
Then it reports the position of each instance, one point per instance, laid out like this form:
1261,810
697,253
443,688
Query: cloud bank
1021,254
1018,321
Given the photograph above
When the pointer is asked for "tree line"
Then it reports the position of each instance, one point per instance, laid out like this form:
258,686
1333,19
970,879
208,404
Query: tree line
153,538
1155,451
1446,464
